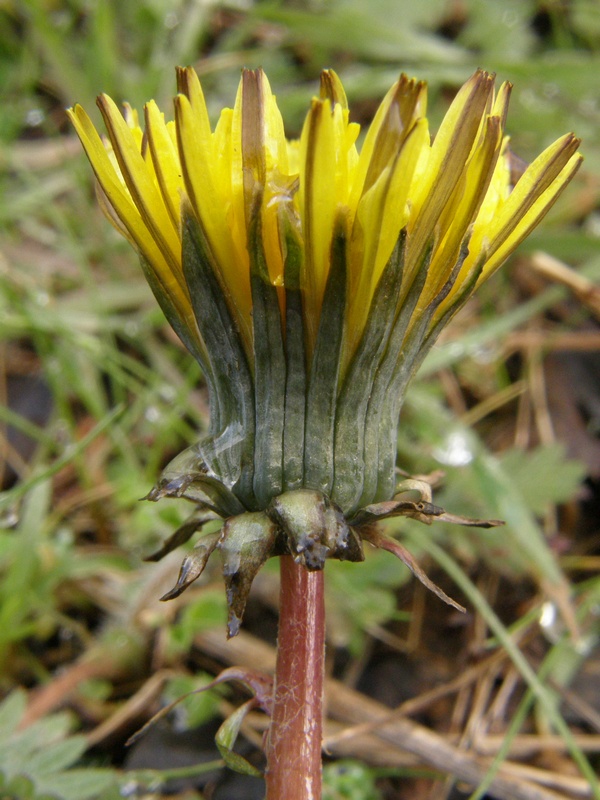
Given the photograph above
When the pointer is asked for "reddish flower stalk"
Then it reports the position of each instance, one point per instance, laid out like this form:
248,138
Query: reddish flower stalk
295,735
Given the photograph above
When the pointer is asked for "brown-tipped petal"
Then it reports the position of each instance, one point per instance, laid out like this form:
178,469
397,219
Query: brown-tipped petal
253,139
500,108
331,89
461,210
449,154
117,195
402,114
537,179
397,106
189,85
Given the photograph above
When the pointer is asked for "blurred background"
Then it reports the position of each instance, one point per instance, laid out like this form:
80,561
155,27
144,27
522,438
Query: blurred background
97,395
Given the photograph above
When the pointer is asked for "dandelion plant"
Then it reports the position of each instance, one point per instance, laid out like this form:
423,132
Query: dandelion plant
309,278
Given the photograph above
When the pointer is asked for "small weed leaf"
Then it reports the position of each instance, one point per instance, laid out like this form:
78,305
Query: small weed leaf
226,736
35,762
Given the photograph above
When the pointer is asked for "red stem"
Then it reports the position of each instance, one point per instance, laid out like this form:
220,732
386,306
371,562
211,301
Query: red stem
296,732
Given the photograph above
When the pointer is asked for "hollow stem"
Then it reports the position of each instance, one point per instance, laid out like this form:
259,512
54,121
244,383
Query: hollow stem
295,735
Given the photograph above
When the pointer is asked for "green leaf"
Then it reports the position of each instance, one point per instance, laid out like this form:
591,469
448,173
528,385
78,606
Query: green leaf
20,787
58,756
380,31
585,18
501,29
206,612
78,784
196,708
34,762
349,780
362,596
503,497
225,739
544,475
11,711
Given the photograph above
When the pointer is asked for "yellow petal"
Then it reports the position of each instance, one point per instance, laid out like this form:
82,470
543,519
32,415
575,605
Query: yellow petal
449,197
166,161
462,209
449,154
500,108
263,157
405,103
189,85
331,89
317,206
114,188
120,209
140,183
503,245
532,185
382,213
280,184
508,222
213,203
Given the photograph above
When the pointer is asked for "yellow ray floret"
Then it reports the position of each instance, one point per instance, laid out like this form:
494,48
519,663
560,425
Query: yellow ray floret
451,199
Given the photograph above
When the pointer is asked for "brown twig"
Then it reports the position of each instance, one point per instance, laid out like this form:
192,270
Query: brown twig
584,289
62,688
